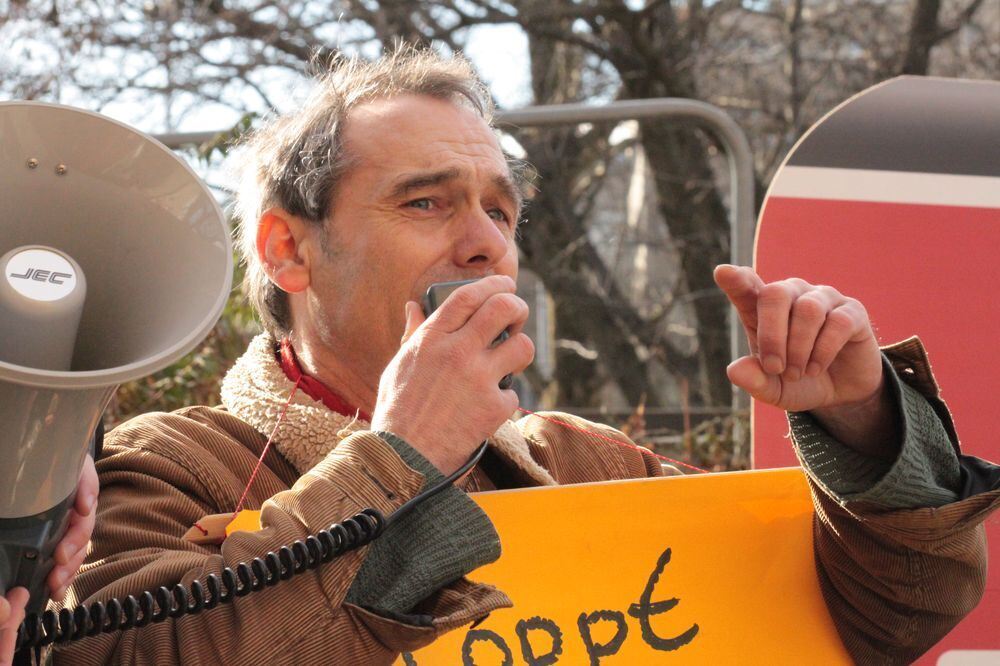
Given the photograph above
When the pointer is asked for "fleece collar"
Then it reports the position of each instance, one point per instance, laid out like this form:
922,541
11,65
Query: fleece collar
256,390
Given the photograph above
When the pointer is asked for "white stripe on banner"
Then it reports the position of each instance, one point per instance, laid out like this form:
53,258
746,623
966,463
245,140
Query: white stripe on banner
969,658
935,189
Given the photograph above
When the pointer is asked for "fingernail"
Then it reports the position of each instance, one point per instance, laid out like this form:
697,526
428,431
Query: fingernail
89,501
772,364
812,370
793,374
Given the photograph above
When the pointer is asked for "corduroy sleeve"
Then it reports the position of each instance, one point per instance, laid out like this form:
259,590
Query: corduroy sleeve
161,473
900,547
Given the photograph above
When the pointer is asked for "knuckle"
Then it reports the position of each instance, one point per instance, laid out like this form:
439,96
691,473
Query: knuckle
525,346
522,305
768,336
774,292
506,307
829,292
507,304
770,342
810,307
856,306
840,320
499,282
464,298
798,283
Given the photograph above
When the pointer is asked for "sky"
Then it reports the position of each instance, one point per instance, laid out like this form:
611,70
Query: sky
500,54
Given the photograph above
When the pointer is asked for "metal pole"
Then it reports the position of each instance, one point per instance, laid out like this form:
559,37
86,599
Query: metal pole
712,118
734,141
741,177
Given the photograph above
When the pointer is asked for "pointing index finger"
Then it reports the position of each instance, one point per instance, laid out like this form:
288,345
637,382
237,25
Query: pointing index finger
742,287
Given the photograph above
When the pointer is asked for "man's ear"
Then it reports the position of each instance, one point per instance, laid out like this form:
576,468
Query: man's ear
281,249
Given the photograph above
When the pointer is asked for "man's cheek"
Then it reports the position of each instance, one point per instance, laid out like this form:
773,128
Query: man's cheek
509,264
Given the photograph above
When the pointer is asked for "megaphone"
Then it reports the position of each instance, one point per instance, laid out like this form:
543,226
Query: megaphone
116,261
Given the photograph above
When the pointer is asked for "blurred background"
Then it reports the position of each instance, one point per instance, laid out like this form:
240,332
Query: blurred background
625,221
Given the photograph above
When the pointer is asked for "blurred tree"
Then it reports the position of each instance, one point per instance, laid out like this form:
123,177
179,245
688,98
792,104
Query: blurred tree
776,66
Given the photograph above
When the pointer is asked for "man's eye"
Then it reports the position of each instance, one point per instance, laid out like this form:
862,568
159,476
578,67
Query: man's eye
497,215
421,204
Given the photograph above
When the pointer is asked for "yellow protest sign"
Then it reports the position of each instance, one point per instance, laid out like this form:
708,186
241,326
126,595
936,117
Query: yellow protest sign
686,570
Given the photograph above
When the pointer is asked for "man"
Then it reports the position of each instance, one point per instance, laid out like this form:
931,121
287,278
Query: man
391,179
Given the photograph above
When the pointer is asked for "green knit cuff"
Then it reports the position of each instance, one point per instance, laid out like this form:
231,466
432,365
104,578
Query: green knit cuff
925,473
441,540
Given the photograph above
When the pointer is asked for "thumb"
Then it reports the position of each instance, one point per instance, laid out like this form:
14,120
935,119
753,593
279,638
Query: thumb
414,318
748,374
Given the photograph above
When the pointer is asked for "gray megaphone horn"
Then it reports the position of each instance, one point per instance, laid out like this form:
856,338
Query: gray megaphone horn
116,261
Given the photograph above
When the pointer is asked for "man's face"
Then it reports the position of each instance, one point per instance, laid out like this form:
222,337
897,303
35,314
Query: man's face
427,198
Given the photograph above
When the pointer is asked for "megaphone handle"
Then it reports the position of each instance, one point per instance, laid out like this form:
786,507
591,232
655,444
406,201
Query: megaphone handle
26,551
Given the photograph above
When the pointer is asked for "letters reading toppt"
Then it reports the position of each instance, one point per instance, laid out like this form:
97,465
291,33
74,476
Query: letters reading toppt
642,611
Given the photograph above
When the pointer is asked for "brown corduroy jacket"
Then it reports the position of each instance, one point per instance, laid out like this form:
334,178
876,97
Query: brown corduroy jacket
895,580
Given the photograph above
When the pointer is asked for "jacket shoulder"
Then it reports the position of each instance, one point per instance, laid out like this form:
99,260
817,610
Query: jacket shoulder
575,450
206,442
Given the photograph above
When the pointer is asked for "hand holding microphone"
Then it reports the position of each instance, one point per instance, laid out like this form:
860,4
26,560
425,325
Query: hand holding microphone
438,293
441,392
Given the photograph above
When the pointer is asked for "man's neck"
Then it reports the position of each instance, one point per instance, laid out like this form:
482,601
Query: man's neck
317,362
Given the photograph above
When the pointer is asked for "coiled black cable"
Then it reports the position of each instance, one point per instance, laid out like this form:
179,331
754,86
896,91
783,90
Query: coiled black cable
262,572
151,607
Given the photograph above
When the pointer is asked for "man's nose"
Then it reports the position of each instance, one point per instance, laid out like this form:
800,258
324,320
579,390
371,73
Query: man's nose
482,242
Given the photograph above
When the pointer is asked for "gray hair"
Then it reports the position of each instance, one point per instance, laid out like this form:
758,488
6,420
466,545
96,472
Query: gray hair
294,161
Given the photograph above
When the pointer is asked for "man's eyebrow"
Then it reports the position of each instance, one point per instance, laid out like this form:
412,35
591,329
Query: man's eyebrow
420,180
503,183
509,190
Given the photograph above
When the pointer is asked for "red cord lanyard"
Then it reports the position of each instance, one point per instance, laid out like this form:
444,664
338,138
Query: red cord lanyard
213,528
260,461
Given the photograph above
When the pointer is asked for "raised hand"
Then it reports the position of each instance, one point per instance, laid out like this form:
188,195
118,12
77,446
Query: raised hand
813,349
